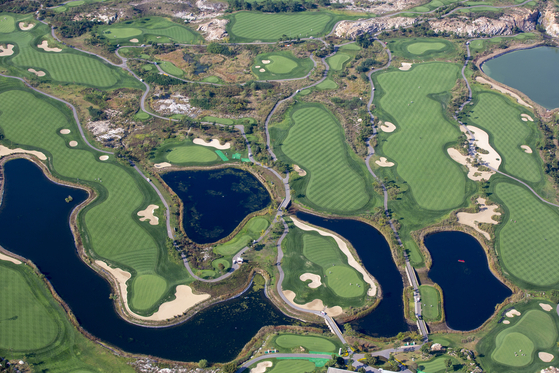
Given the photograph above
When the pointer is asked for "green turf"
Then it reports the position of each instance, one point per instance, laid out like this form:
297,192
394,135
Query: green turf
422,47
109,228
148,289
226,264
436,365
122,32
309,342
327,84
75,3
291,366
211,79
430,302
419,145
321,250
500,117
344,281
433,4
218,120
527,242
251,231
350,47
141,115
191,154
316,143
148,29
148,67
283,65
7,23
337,61
169,68
513,343
280,64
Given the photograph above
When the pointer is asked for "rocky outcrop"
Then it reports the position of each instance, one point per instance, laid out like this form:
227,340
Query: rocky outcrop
352,29
550,23
214,29
523,19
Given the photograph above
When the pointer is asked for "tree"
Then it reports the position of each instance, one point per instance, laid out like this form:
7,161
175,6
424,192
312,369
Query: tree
426,348
448,363
371,360
230,368
203,363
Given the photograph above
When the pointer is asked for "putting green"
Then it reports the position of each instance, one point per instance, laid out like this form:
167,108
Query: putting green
431,302
169,68
75,3
280,64
148,67
513,343
350,47
122,32
7,23
309,342
226,264
344,281
292,366
141,115
190,154
148,289
327,84
154,29
211,79
420,48
337,61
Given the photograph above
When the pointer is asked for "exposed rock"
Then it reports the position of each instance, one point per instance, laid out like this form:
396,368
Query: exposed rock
380,6
206,5
352,29
549,21
550,370
151,366
214,29
176,104
521,18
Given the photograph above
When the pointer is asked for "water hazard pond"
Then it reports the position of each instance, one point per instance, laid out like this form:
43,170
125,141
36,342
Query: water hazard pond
532,71
470,290
34,224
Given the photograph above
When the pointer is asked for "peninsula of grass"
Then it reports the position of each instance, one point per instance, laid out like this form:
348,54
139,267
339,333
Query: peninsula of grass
327,84
251,231
312,138
185,153
287,343
109,226
309,252
171,69
491,110
155,29
35,328
413,100
430,303
281,65
527,238
422,48
336,62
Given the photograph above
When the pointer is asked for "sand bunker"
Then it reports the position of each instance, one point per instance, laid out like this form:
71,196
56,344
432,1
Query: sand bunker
214,143
388,127
134,40
103,157
299,170
546,307
526,148
261,367
185,299
262,70
315,305
162,165
526,117
7,50
512,313
383,162
9,259
503,90
26,27
405,66
65,131
147,214
315,279
265,62
545,357
343,247
45,45
485,215
73,144
506,322
256,67
7,151
38,73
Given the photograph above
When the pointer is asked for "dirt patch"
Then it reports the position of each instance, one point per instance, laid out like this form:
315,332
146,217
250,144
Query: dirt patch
545,356
147,214
383,162
485,215
9,259
104,157
405,66
526,148
134,40
26,26
512,313
546,307
214,143
503,90
73,144
38,73
45,45
315,279
65,131
343,247
261,367
8,50
388,127
7,151
315,305
299,170
162,165
526,117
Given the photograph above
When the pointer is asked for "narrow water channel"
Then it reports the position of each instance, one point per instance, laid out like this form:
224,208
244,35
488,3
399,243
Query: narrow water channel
34,224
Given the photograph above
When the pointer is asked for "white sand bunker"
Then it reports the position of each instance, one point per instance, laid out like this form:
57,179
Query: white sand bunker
261,367
7,151
134,40
343,247
315,305
545,357
506,322
214,143
526,117
512,313
184,300
147,214
257,67
38,73
503,90
73,144
162,165
388,127
65,131
8,50
315,279
485,215
383,162
26,26
9,259
103,157
405,66
45,45
526,148
299,170
265,62
262,70
546,307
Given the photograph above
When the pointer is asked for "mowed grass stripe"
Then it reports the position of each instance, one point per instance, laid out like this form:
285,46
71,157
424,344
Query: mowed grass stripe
418,147
528,241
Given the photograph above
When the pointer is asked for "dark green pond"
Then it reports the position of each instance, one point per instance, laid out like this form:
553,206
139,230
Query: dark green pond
535,72
216,201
